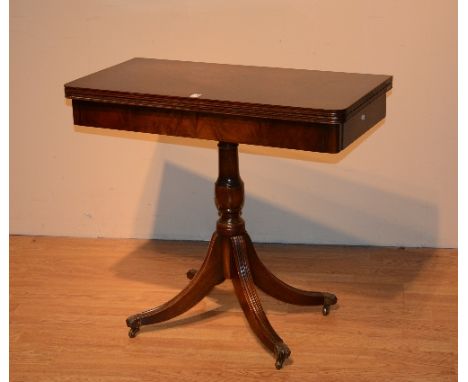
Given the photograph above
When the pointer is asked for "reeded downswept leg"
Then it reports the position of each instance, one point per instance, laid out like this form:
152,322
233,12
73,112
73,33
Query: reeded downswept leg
278,289
250,302
209,275
231,254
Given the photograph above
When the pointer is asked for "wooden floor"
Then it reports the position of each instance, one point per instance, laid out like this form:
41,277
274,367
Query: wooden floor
396,319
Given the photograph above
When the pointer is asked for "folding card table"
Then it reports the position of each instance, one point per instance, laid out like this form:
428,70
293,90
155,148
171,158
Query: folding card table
289,108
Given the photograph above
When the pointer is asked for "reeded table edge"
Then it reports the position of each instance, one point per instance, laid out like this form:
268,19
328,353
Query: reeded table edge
287,113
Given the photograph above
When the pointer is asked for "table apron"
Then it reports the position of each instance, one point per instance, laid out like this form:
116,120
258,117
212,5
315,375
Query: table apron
219,127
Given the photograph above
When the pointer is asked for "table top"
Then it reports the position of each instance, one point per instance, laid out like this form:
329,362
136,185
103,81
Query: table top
289,94
293,108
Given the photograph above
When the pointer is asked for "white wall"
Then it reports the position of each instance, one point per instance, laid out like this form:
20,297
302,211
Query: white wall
396,186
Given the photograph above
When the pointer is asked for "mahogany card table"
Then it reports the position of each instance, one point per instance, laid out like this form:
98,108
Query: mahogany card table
232,104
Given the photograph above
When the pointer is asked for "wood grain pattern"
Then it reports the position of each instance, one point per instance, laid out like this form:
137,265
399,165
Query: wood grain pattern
276,288
291,108
209,275
233,129
232,89
242,280
396,319
228,257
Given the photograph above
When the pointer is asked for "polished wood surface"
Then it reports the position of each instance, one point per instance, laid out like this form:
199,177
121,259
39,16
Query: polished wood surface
300,109
255,131
174,84
292,108
396,319
230,254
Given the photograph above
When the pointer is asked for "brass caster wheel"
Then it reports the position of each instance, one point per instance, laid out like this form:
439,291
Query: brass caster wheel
133,332
326,310
191,273
282,353
134,323
328,299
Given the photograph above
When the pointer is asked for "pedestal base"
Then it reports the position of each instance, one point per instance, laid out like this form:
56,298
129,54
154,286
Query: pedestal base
231,255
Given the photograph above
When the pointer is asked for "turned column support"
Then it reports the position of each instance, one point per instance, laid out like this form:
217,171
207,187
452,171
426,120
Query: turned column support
229,192
231,255
229,200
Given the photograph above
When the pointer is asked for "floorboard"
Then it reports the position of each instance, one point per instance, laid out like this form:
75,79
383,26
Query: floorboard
396,319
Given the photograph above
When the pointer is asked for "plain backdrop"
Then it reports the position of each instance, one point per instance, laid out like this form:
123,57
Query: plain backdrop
397,185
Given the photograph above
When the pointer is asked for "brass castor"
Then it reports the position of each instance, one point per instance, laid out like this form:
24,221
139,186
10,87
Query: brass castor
328,299
133,332
282,353
191,273
326,310
134,323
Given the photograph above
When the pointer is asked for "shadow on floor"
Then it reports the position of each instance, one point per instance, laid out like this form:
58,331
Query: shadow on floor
175,212
327,266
